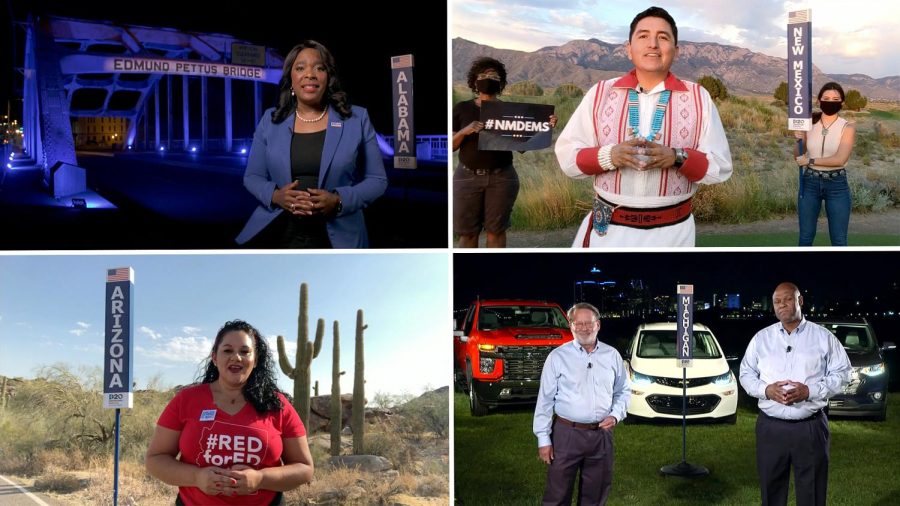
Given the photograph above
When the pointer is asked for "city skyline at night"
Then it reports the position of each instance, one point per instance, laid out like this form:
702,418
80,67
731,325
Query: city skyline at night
861,279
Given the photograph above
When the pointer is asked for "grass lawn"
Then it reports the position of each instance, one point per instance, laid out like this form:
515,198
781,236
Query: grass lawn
790,239
496,461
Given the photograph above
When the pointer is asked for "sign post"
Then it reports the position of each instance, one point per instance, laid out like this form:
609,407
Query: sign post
404,131
684,344
799,70
799,58
117,360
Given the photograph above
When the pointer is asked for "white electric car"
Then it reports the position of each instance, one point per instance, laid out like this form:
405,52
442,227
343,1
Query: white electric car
656,376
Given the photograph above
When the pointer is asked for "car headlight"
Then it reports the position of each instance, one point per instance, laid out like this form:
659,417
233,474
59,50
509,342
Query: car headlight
641,379
486,365
724,379
872,370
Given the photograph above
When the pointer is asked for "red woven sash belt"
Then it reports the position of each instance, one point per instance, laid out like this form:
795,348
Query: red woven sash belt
651,217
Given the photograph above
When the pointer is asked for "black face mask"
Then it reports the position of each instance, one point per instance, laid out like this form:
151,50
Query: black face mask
487,86
830,108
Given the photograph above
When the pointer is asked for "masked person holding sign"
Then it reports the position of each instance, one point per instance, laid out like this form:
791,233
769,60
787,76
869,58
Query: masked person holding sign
485,183
648,140
240,441
827,148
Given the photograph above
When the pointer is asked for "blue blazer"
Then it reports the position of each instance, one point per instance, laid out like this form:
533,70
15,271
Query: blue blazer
351,165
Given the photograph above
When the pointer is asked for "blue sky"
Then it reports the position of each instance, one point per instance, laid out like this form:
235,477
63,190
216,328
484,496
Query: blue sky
848,37
52,310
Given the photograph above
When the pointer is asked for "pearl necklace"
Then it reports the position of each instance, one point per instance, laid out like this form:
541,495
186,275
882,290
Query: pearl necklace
301,118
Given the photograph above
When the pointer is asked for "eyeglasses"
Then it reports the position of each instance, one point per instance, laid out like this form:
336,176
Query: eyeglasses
493,77
583,325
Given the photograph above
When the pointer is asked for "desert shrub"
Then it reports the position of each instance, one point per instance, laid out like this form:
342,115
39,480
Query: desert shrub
568,90
885,137
714,86
526,88
781,93
389,444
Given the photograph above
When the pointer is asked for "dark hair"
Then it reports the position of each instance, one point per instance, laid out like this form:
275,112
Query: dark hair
480,65
334,94
655,12
261,389
816,116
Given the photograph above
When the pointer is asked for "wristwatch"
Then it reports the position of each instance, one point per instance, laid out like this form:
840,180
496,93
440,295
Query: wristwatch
681,156
340,204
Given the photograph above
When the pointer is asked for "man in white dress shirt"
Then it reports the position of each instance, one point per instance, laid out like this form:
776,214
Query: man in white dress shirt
793,367
584,384
648,140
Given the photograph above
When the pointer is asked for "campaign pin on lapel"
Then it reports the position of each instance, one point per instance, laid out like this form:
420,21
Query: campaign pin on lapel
337,124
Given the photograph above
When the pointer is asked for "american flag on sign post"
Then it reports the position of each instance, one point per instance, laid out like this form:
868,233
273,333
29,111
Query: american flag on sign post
401,61
118,274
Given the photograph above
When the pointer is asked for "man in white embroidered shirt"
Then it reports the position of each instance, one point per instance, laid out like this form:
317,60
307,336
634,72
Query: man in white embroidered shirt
793,367
648,140
584,383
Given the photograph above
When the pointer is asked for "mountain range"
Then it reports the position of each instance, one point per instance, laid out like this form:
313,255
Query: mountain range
584,62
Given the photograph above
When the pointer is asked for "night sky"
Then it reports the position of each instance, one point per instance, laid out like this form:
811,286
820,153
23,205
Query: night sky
550,276
361,47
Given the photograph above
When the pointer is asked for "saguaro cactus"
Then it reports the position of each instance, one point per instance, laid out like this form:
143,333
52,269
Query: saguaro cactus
306,352
336,408
359,390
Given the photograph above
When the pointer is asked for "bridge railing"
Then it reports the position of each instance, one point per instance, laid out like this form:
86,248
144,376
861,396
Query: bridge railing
428,147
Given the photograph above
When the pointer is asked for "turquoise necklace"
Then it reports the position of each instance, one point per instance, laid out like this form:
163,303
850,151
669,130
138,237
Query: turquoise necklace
658,115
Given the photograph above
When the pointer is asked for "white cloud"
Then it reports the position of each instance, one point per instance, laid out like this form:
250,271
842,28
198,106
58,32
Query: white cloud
191,331
290,347
180,349
845,40
90,348
152,334
81,330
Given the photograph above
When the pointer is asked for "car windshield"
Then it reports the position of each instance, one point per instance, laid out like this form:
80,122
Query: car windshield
661,344
853,337
496,317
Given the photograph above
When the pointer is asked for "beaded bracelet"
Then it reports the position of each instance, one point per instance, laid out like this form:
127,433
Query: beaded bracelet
604,158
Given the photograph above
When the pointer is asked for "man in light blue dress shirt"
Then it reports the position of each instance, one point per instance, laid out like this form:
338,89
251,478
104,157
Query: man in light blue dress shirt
793,367
585,384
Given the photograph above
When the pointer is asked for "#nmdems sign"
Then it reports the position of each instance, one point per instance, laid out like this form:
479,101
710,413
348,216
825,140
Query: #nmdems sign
510,126
685,320
117,362
799,44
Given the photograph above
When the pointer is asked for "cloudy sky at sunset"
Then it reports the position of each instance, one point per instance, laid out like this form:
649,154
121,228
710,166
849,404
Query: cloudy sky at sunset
848,37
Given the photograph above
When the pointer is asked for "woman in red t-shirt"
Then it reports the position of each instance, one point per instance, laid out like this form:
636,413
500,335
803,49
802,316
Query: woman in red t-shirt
241,442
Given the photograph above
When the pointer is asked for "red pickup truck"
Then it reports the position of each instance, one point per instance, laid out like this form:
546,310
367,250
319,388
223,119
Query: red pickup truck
499,350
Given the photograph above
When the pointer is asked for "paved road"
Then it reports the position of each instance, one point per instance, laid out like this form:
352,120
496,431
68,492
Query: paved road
14,494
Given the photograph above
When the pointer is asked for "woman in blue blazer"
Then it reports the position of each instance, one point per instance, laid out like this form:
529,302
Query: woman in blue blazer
314,163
